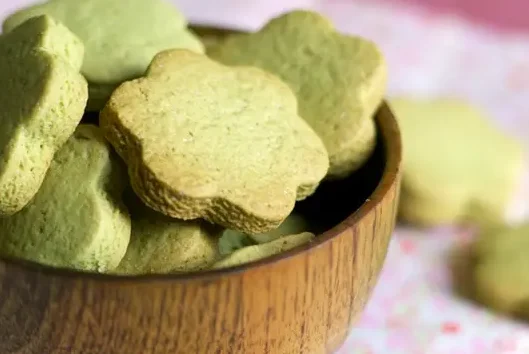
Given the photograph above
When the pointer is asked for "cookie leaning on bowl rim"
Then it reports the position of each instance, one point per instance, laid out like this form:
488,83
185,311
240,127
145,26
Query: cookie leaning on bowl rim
163,245
203,140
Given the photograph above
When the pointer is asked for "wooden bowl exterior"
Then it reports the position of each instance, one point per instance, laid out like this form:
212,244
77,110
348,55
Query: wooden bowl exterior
303,301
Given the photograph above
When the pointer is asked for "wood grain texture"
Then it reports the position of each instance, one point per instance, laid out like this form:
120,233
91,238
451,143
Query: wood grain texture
303,301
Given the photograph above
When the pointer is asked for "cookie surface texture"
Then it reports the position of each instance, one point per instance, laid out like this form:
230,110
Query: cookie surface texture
257,252
120,38
339,80
43,102
457,166
203,140
77,219
501,272
160,244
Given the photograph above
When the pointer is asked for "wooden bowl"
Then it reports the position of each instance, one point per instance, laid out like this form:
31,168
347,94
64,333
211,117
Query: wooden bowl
303,301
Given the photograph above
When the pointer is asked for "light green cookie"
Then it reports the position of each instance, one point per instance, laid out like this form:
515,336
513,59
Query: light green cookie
232,240
257,252
43,100
457,166
501,273
160,244
339,80
77,219
203,140
294,224
120,38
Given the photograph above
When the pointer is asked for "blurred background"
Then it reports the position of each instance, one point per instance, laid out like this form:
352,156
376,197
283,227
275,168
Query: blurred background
477,50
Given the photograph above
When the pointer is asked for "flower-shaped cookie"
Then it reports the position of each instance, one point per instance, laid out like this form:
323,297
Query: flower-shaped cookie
203,140
77,219
457,166
120,38
42,103
339,80
160,244
501,269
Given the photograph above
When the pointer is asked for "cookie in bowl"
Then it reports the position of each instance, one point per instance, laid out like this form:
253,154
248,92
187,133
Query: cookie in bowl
161,245
203,140
43,102
77,220
339,80
120,38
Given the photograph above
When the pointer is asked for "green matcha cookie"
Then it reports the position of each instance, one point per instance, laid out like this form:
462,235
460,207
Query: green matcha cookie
232,240
43,101
339,80
457,166
120,38
203,140
160,244
501,272
257,252
77,219
294,224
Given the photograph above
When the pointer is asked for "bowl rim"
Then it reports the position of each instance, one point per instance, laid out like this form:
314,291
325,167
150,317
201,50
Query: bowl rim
388,129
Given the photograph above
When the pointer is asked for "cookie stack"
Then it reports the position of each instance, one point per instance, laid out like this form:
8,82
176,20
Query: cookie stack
197,160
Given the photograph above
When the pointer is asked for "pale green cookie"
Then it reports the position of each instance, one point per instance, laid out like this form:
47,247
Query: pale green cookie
294,224
120,38
501,273
232,240
339,80
257,252
457,166
43,100
77,219
203,140
160,244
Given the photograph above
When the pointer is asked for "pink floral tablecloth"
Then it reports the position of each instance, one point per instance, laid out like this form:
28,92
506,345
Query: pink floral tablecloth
413,309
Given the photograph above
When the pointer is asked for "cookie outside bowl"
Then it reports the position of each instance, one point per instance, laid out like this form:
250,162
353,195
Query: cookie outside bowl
305,300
